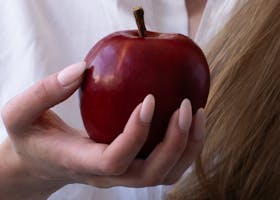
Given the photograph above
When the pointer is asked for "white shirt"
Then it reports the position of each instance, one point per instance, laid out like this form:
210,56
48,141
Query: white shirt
38,38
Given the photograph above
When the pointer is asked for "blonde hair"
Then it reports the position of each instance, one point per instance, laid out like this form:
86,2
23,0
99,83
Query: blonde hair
241,157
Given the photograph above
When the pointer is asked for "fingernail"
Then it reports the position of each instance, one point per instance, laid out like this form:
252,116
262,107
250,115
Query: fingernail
71,73
200,116
147,109
185,115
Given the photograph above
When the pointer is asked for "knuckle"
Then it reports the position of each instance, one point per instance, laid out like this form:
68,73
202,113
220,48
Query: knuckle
180,147
175,151
138,140
41,90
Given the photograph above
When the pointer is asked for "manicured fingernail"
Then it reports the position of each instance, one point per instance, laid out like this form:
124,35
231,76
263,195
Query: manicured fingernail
71,73
185,115
200,116
147,109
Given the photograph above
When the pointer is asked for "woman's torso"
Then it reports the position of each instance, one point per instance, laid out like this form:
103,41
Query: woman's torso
40,37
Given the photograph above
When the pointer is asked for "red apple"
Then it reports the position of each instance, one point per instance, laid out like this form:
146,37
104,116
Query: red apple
125,67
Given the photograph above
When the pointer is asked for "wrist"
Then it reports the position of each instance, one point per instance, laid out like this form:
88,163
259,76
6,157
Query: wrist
16,179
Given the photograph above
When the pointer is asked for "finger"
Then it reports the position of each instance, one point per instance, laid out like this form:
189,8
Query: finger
167,153
123,150
194,147
27,106
152,171
91,158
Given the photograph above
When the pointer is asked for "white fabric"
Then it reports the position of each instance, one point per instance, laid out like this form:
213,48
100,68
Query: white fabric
38,38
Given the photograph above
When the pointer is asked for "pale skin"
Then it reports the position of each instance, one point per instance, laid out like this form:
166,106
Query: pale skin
43,153
195,11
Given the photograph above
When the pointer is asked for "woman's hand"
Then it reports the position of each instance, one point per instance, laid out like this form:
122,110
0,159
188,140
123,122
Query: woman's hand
43,153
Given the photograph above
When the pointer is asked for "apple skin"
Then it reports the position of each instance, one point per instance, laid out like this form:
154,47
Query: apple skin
124,68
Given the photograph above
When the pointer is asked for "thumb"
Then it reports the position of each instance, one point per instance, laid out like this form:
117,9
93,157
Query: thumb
26,107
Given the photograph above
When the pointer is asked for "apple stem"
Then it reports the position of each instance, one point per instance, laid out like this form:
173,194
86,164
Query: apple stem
139,17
